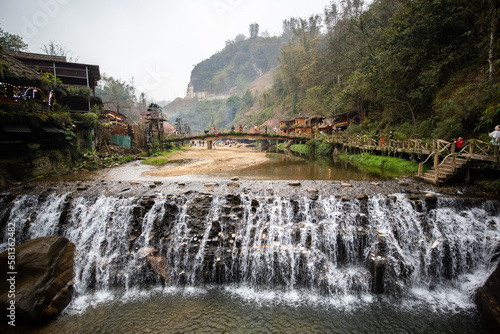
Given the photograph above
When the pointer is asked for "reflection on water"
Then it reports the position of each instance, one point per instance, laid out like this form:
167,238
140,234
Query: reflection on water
279,167
171,310
287,167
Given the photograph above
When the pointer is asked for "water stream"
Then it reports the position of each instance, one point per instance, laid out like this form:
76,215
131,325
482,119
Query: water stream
250,263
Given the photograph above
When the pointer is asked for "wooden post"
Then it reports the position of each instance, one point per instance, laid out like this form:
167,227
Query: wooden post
209,145
420,169
436,166
453,162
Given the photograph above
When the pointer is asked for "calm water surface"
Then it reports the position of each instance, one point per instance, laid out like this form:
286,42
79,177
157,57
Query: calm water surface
224,310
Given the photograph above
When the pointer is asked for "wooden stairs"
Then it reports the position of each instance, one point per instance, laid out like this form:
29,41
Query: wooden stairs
448,168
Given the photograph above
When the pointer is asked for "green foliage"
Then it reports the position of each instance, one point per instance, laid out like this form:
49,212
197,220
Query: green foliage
300,148
319,148
88,119
390,163
49,80
447,129
238,64
84,92
11,42
121,93
160,158
494,186
324,149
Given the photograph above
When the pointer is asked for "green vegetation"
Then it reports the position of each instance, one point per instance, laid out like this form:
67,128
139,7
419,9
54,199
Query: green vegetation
422,69
237,65
389,163
494,186
161,158
11,42
300,148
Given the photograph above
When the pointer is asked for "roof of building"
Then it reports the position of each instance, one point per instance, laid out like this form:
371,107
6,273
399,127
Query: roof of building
37,56
57,64
16,69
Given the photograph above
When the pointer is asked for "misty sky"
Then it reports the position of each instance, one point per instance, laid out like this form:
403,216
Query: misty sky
155,42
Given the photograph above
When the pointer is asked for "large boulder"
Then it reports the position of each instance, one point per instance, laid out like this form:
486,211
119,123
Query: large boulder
40,284
488,300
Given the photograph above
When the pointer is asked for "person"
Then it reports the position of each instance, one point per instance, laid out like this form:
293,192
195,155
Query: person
232,128
495,136
241,128
245,128
460,143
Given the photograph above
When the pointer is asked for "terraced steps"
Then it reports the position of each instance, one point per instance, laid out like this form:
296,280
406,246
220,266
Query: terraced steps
449,167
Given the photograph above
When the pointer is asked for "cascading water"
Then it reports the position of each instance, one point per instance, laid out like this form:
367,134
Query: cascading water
406,250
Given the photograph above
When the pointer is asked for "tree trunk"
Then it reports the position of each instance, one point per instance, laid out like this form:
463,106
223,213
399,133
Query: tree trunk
494,22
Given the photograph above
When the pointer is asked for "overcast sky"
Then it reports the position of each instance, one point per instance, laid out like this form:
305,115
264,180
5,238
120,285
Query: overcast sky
155,42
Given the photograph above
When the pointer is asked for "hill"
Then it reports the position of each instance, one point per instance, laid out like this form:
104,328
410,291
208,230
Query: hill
231,70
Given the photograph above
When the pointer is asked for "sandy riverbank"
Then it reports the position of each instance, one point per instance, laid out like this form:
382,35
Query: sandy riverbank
200,160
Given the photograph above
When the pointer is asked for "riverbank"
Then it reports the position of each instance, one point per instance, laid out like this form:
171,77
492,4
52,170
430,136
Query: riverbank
200,160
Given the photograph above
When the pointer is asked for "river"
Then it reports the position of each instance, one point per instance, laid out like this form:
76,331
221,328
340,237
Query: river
263,256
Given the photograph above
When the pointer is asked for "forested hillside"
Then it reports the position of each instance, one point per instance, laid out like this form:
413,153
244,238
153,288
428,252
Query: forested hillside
236,66
426,68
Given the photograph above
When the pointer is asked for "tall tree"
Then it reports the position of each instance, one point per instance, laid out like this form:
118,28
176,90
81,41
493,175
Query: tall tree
54,49
11,42
254,30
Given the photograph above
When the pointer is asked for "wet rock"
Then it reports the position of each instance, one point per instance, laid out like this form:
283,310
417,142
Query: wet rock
376,184
43,279
235,178
488,300
132,183
157,262
157,182
430,201
81,188
346,198
377,270
294,184
403,184
181,184
125,189
152,186
362,197
233,185
345,185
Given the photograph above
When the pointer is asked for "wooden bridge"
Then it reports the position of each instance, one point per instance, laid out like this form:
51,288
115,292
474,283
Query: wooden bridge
447,160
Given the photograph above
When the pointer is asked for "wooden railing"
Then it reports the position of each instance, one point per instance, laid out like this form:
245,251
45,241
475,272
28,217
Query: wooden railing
473,148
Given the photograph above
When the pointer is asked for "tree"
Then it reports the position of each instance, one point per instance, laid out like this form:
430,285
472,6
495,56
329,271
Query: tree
11,42
254,30
54,49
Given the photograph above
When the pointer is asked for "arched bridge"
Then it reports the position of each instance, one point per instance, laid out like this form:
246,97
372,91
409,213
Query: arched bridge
210,137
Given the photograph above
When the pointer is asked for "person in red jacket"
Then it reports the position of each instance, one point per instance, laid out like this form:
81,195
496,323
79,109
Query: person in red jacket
460,143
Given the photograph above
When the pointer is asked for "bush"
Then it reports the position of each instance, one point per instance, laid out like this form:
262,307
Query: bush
447,129
301,148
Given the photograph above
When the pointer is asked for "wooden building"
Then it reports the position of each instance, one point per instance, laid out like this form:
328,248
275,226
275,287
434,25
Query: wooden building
300,125
71,75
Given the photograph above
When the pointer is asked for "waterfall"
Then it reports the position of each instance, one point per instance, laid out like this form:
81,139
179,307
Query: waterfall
386,245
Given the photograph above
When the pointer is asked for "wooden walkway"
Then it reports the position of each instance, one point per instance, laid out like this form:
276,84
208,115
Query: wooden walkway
447,160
